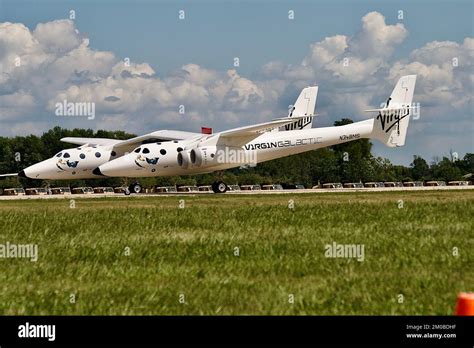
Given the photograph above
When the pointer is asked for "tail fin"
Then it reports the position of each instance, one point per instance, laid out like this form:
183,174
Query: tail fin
391,123
304,106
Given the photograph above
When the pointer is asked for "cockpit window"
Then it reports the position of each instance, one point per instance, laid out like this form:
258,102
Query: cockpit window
137,150
145,150
59,154
66,155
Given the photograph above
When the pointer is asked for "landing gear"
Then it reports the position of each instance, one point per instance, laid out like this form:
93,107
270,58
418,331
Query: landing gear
219,187
135,188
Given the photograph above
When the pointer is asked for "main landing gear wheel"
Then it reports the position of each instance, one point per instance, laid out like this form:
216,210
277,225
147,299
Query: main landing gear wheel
135,188
219,187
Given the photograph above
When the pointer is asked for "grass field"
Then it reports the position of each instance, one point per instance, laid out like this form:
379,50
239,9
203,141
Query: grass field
139,255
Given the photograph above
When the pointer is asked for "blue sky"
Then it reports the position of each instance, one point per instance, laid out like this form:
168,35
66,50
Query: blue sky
258,32
216,31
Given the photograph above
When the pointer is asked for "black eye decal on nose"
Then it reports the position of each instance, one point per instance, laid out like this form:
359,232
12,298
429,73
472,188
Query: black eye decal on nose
72,164
152,160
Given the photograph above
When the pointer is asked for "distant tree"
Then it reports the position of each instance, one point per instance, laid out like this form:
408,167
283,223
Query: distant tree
466,164
446,170
420,170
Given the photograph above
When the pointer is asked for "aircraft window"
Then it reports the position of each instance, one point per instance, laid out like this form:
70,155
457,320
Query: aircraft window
59,154
82,156
179,149
97,154
113,153
145,150
158,143
175,141
66,155
137,150
163,152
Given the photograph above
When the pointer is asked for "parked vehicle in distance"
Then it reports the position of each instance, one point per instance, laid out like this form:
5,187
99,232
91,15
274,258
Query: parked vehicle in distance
15,191
374,184
250,187
120,189
435,183
273,187
353,185
332,185
36,191
293,187
60,191
393,184
458,183
82,190
205,188
165,189
188,189
103,190
233,188
412,183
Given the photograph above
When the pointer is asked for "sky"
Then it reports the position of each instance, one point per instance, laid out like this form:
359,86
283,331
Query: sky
47,56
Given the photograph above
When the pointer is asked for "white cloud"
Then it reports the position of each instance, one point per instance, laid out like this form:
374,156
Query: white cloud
58,36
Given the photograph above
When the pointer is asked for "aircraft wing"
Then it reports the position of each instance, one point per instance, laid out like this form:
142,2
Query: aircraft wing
242,135
162,135
90,141
5,175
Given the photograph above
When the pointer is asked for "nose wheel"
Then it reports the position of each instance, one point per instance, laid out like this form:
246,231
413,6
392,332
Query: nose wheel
219,187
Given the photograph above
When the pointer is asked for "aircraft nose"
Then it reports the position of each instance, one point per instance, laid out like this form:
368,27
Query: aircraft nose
122,166
41,170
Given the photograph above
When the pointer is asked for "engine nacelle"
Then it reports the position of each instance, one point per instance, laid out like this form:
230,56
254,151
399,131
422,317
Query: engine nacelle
184,160
203,156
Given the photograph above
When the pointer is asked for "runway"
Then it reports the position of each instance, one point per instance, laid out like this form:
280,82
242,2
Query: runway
257,192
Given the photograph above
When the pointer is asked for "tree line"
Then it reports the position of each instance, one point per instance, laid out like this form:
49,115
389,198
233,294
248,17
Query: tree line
348,162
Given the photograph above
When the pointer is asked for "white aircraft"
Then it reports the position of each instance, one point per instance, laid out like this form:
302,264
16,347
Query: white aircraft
167,153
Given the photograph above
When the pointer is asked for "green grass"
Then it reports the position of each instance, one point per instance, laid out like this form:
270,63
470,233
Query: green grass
190,251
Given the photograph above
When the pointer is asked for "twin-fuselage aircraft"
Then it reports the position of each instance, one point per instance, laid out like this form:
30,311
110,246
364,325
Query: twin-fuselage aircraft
167,152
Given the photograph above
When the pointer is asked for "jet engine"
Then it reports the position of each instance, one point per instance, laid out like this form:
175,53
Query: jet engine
184,159
202,156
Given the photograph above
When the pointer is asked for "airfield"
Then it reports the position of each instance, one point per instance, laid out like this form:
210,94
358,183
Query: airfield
252,253
256,192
